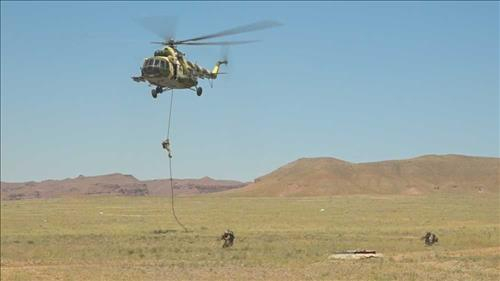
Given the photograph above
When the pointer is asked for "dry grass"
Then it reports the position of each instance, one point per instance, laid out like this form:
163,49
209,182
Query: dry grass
113,238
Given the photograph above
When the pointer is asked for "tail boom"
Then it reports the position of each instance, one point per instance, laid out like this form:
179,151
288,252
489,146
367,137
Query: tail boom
216,68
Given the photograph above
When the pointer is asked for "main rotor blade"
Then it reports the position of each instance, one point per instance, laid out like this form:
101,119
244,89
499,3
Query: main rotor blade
164,27
222,43
237,30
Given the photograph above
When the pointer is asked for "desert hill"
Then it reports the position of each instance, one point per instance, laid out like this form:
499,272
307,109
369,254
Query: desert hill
303,177
421,175
191,186
112,184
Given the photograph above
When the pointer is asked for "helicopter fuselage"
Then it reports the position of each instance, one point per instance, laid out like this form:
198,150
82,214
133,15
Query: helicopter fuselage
168,69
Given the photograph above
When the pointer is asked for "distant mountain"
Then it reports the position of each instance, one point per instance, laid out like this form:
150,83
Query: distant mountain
191,186
421,175
303,177
113,184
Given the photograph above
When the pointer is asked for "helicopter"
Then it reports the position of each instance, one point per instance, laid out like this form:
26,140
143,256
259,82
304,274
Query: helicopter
169,69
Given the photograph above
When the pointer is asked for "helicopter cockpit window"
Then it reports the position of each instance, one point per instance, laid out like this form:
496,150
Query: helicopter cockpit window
148,62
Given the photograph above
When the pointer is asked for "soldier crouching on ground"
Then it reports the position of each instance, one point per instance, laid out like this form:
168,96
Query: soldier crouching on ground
228,238
430,238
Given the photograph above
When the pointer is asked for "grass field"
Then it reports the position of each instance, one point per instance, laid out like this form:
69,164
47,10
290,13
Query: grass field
113,238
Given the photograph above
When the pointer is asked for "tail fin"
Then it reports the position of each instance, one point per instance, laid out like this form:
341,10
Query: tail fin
216,69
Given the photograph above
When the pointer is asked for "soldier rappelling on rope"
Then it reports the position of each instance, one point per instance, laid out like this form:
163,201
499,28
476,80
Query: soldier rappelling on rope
166,145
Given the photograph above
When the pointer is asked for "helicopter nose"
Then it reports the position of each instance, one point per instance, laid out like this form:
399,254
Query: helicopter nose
152,67
151,71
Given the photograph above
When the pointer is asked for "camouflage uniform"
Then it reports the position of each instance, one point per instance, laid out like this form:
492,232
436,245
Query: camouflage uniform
430,238
166,145
228,238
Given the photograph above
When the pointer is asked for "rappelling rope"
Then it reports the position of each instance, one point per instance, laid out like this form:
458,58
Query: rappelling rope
166,145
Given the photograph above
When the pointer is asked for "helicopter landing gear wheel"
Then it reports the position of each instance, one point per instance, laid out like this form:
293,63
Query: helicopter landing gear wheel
156,91
199,91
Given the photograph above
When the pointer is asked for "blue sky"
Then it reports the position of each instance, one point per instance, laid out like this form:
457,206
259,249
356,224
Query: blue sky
359,81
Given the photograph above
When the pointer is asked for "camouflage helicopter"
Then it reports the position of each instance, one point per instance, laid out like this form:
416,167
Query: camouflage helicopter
169,69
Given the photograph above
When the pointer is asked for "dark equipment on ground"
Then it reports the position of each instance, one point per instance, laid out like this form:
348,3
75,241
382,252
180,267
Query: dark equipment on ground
430,238
357,251
228,238
356,254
